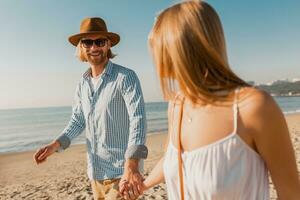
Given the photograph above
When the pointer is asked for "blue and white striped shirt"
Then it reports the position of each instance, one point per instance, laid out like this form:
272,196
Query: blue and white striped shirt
113,116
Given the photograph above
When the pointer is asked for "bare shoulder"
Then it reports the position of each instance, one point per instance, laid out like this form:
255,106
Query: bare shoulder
255,102
258,109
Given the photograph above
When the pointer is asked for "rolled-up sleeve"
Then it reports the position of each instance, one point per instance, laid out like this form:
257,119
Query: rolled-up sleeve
133,97
76,124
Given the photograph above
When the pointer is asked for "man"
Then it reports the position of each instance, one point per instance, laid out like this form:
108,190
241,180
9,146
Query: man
109,105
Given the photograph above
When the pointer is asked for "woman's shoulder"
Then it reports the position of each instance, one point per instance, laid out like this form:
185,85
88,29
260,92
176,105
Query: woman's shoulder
254,98
256,105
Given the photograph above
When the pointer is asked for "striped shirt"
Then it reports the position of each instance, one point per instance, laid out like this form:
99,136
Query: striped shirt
113,117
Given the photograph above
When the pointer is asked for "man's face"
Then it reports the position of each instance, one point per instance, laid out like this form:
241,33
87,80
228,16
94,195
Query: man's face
95,49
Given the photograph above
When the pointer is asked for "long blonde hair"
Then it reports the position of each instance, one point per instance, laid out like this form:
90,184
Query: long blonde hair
188,46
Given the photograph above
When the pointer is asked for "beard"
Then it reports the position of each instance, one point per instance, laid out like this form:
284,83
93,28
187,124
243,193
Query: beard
96,57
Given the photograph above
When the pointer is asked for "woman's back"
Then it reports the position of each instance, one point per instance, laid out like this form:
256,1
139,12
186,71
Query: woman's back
218,162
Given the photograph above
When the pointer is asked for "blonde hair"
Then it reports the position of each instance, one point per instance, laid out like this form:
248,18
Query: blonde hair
188,46
80,55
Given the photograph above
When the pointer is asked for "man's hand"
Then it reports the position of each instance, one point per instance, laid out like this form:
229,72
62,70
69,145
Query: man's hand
41,154
131,184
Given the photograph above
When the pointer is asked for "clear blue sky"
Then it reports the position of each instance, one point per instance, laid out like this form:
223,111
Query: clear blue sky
38,67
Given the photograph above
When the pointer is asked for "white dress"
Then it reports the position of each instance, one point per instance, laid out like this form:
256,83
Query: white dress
227,169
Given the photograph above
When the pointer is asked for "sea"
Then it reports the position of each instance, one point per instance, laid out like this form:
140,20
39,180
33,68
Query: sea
30,128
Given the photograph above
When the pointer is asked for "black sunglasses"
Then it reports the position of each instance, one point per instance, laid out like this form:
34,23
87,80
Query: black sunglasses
88,43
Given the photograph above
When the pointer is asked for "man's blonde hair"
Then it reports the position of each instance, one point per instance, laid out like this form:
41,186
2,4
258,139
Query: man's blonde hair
189,51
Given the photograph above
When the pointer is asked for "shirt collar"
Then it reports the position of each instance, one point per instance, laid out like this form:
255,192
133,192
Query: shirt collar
108,69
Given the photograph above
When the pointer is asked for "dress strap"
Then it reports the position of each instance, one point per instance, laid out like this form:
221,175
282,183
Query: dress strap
172,116
235,110
180,161
179,150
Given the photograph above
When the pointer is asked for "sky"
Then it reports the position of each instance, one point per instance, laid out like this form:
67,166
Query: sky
38,67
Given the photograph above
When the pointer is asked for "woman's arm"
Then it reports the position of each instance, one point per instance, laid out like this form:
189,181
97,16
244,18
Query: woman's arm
273,142
156,176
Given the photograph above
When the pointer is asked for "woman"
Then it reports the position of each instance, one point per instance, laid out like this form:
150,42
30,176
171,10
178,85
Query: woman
231,134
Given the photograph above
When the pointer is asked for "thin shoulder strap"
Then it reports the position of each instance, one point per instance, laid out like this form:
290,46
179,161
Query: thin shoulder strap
235,110
180,165
180,162
172,116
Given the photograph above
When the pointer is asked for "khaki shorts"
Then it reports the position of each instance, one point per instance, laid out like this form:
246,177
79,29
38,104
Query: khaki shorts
106,189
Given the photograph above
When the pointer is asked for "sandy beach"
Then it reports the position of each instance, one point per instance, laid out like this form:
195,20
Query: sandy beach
63,176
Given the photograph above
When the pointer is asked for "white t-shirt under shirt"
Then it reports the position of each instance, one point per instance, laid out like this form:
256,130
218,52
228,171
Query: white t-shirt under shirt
95,81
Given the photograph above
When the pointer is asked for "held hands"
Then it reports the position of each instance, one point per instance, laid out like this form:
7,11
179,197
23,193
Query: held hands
131,185
43,153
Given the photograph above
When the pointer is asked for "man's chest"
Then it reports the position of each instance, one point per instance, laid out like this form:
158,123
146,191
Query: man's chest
106,95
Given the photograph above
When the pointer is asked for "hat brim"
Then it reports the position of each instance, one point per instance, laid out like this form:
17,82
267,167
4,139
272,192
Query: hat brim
113,37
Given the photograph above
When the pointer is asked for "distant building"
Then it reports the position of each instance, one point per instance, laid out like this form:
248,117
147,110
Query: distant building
251,83
295,80
270,83
277,82
280,81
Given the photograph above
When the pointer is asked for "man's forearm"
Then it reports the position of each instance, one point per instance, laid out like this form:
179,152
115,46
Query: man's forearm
56,144
132,165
